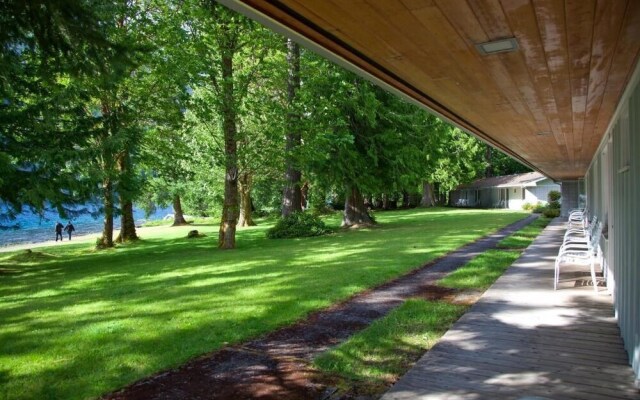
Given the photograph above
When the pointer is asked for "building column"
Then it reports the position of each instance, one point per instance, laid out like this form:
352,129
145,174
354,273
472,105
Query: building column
570,191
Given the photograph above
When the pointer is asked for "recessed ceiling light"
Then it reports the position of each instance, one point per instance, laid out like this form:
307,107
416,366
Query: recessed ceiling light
498,46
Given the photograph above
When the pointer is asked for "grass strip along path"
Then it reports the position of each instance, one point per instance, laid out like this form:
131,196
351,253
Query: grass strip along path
78,323
369,362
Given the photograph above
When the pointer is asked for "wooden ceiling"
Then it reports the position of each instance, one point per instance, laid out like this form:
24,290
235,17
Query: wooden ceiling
548,103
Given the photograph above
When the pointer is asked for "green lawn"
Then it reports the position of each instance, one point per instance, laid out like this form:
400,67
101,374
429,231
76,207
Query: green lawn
481,271
378,355
76,323
524,237
384,351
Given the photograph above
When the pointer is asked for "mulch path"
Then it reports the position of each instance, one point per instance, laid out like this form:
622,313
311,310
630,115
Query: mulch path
277,366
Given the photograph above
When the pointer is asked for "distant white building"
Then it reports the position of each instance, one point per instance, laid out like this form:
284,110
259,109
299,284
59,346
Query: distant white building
508,191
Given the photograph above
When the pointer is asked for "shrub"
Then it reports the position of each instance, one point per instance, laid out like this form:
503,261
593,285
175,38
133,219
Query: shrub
527,206
298,224
194,234
538,208
551,212
554,195
554,200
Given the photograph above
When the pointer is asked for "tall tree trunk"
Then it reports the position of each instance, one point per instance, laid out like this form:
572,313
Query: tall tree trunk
246,218
292,194
229,219
406,200
304,199
127,222
106,240
385,201
178,215
427,195
355,212
488,172
392,202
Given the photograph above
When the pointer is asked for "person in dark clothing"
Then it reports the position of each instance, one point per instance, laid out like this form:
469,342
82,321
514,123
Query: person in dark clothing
59,227
69,228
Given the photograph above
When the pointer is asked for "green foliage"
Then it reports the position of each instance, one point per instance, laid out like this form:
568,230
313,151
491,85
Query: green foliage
550,212
538,208
298,224
385,350
154,99
107,319
359,135
554,195
528,206
499,164
47,121
554,203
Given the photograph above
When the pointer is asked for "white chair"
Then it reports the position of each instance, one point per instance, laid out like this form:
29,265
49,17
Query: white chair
580,253
577,217
581,234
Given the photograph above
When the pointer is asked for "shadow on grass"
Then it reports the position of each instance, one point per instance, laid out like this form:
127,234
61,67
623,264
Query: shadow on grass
99,320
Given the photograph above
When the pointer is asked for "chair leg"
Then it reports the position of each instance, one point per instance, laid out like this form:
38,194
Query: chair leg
593,274
556,276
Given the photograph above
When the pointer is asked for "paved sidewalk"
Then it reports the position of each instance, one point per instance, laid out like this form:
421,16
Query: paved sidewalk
523,340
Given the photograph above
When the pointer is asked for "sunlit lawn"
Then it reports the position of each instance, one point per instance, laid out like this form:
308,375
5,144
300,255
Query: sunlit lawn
483,270
524,237
81,323
378,355
385,350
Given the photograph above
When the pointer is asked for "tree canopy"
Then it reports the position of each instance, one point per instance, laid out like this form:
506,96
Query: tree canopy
190,104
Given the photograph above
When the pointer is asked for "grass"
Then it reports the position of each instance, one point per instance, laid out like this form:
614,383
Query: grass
190,219
377,356
481,271
385,350
79,323
524,237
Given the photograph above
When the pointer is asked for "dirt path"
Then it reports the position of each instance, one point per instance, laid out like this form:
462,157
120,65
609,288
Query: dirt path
276,366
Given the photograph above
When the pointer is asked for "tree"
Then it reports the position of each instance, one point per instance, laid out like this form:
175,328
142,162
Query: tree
167,155
231,49
46,48
292,196
130,100
168,165
360,139
499,164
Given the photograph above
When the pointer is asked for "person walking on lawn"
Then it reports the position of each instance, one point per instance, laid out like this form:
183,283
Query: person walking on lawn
69,228
59,227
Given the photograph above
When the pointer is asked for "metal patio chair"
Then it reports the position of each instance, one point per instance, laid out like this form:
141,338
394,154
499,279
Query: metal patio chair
580,254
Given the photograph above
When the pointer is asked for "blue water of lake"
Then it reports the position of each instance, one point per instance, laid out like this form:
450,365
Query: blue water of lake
32,228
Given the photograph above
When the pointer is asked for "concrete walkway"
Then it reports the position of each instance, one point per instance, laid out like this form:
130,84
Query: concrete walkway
523,340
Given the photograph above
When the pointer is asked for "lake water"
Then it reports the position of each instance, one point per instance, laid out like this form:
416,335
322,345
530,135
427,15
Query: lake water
32,228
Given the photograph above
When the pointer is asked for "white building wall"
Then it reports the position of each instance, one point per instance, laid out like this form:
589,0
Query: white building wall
515,198
539,193
613,190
